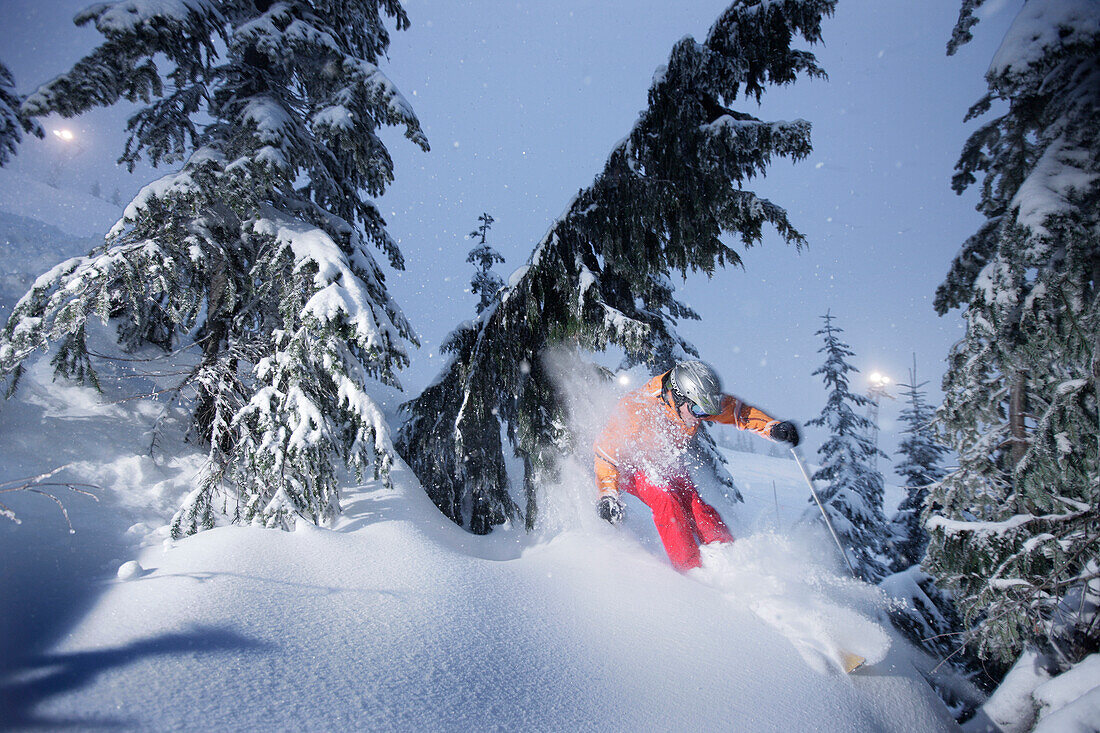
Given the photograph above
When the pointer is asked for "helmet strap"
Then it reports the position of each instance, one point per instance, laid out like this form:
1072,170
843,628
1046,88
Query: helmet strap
678,399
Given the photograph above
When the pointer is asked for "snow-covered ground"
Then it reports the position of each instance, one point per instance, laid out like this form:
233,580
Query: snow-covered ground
396,619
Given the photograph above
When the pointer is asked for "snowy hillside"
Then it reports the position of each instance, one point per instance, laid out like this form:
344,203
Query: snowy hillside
41,226
396,619
31,248
74,213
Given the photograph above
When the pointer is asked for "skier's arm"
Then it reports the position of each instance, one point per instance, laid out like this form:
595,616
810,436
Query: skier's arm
607,473
609,506
606,448
744,416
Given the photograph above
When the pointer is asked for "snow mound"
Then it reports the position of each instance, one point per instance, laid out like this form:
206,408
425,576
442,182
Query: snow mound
1029,699
130,570
1083,679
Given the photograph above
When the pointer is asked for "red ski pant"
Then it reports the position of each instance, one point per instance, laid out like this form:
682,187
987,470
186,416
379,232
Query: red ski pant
683,519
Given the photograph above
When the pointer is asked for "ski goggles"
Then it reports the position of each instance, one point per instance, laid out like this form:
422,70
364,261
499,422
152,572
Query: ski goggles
699,411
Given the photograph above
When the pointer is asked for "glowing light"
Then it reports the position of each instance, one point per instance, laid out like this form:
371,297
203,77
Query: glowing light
879,380
624,380
66,135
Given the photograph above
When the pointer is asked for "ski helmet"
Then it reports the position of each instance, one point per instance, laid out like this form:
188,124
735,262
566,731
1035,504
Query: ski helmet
697,382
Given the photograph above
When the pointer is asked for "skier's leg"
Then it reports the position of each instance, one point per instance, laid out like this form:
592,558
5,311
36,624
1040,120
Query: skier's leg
709,522
679,490
674,523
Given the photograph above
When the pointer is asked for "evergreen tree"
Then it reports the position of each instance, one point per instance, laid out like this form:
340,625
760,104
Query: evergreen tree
920,469
256,251
486,283
853,486
12,123
1015,529
602,274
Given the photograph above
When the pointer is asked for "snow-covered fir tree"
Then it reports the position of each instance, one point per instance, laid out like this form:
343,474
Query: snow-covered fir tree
602,275
919,468
486,283
12,123
255,254
852,485
1015,529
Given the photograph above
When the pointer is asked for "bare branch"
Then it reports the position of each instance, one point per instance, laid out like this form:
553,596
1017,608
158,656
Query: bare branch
34,485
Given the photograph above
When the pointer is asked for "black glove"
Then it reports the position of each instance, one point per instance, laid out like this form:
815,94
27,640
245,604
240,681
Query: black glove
785,432
610,509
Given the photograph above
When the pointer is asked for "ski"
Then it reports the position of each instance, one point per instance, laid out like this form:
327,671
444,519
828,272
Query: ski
850,661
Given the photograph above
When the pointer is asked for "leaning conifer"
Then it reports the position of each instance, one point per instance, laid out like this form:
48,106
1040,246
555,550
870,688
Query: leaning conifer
602,276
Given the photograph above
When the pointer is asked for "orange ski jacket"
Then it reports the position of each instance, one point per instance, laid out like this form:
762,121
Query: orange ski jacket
646,433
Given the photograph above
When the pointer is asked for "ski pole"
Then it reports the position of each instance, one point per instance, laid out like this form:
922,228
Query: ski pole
824,515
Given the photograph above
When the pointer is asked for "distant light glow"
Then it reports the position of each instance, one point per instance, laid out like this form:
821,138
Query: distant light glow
879,380
624,380
66,135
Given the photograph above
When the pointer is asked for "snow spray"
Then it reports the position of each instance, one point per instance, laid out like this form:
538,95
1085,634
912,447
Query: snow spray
789,585
589,397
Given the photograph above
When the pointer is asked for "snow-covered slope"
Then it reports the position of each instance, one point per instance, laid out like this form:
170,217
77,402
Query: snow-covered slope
31,248
396,619
395,623
41,226
74,213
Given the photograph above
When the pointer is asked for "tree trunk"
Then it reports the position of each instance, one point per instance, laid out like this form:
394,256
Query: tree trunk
216,332
529,489
1017,405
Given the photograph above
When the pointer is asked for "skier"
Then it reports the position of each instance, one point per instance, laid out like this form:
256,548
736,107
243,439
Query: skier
642,451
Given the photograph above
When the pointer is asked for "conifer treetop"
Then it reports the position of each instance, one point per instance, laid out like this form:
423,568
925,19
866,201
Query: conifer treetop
485,283
852,486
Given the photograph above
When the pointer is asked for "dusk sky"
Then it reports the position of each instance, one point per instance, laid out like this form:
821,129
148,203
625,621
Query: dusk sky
523,101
